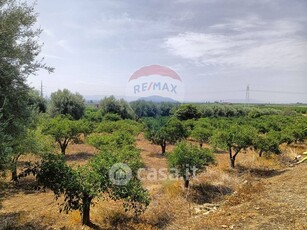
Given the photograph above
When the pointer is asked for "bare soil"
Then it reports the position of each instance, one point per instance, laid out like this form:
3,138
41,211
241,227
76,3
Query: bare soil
259,194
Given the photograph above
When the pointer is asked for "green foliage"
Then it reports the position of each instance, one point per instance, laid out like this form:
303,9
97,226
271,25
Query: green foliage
19,37
37,102
229,110
32,141
5,149
64,130
189,160
201,134
79,186
162,130
19,49
93,114
118,139
234,139
66,103
174,130
112,117
267,143
144,108
120,107
186,112
130,126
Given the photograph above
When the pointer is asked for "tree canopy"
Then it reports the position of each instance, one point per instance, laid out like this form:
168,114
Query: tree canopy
19,50
67,103
234,139
81,185
186,112
65,130
161,131
189,160
120,107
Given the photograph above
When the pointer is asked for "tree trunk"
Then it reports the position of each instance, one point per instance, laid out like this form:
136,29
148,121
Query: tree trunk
186,183
14,168
63,145
232,162
260,153
163,146
231,158
14,173
63,148
201,144
86,210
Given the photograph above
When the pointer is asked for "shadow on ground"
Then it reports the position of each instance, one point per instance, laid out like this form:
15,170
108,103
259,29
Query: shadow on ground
24,185
157,155
208,193
9,221
260,173
81,156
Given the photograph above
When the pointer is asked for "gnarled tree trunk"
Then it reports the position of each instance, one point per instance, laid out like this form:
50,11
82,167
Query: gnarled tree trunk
86,209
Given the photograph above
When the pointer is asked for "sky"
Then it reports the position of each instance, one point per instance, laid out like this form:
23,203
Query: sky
217,47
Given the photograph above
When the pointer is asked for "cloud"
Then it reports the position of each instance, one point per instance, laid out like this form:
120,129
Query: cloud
49,33
51,56
65,45
248,43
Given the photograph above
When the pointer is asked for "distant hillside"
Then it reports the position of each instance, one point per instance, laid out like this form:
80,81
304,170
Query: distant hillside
158,99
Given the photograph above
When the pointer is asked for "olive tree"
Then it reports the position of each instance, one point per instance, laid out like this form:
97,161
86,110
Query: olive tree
81,185
19,51
32,141
64,130
67,103
234,139
161,131
187,111
127,125
120,107
116,140
189,160
201,134
267,143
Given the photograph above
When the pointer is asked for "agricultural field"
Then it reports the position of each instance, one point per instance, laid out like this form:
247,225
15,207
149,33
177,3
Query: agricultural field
180,150
250,187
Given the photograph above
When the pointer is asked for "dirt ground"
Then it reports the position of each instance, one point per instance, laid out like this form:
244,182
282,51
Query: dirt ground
281,204
258,194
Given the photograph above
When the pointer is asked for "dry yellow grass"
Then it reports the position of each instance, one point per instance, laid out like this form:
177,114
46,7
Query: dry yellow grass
240,195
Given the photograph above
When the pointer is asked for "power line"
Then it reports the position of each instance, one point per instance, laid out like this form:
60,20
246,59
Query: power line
255,90
278,92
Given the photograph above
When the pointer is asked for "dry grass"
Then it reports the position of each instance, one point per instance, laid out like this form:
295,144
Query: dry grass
237,192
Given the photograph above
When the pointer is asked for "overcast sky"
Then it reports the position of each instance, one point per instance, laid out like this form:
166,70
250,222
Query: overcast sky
218,47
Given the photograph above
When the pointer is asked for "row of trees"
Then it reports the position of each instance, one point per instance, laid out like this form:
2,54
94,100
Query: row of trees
67,103
24,130
21,130
264,134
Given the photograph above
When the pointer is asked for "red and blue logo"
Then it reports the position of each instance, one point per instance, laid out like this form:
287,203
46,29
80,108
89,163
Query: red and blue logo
155,82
